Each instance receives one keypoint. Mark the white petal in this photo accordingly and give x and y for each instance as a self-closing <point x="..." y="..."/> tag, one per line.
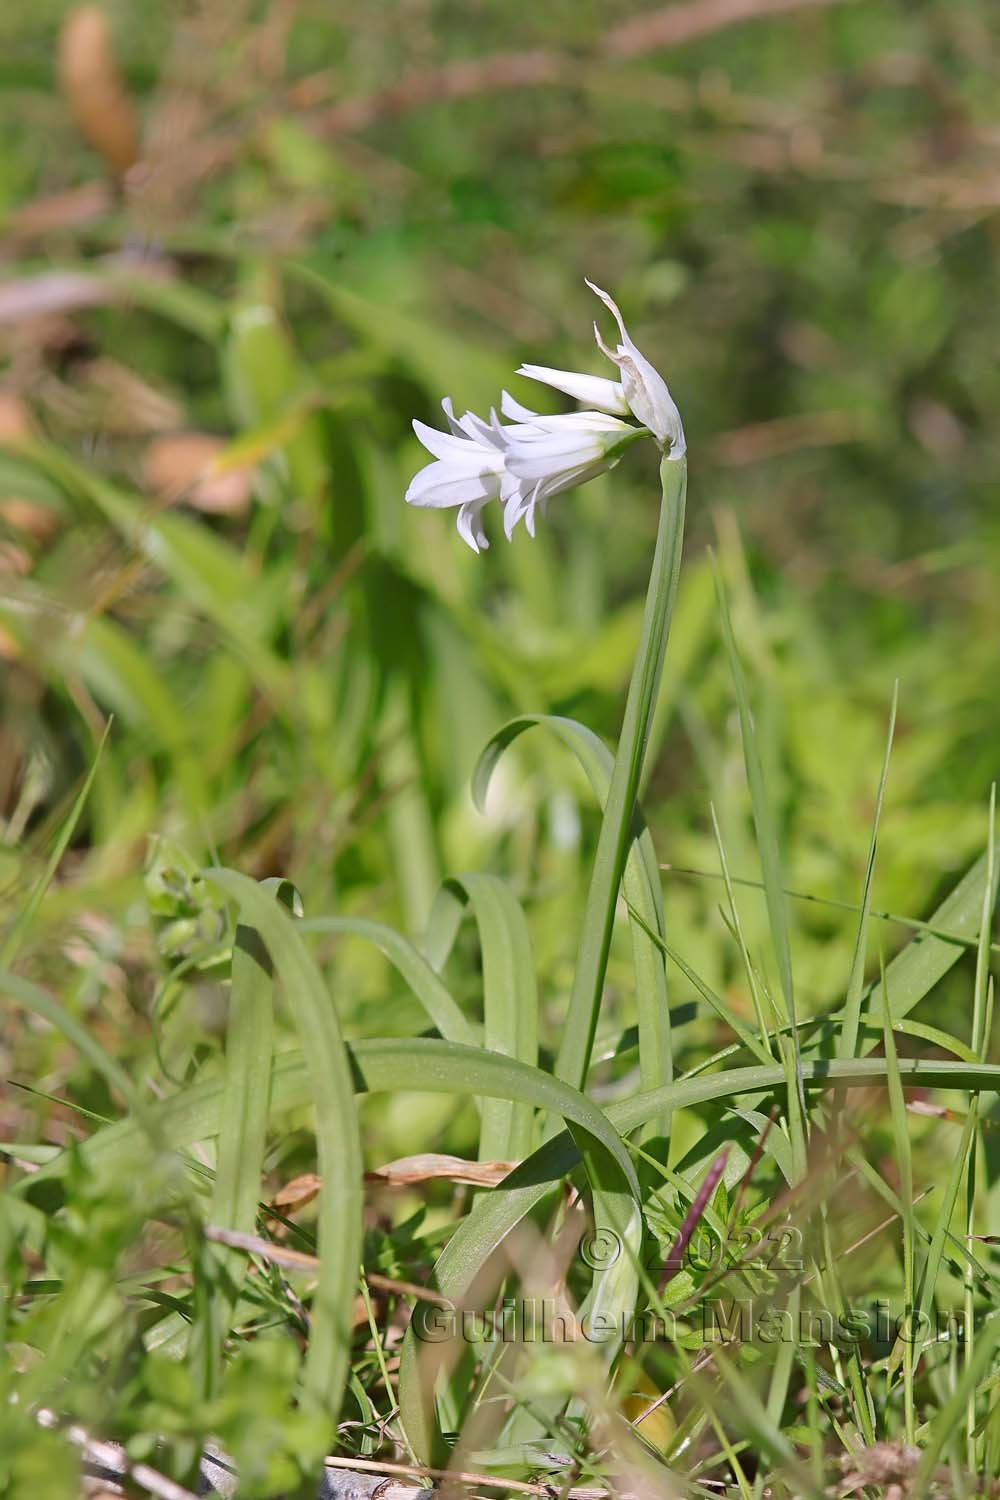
<point x="539" y="505"/>
<point x="470" y="527"/>
<point x="592" y="390"/>
<point x="540" y="461"/>
<point x="452" y="420"/>
<point x="645" y="388"/>
<point x="444" y="445"/>
<point x="612" y="306"/>
<point x="599" y="422"/>
<point x="443" y="484"/>
<point x="513" y="511"/>
<point x="514" y="409"/>
<point x="486" y="434"/>
<point x="555" y="446"/>
<point x="520" y="503"/>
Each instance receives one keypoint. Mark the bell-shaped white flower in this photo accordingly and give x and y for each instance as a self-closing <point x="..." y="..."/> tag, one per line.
<point x="468" y="471"/>
<point x="531" y="458"/>
<point x="546" y="455"/>
<point x="645" y="389"/>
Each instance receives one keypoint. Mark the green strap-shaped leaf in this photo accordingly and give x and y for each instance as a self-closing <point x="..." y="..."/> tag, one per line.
<point x="927" y="958"/>
<point x="246" y="1104"/>
<point x="338" y="1141"/>
<point x="426" y="985"/>
<point x="510" y="1004"/>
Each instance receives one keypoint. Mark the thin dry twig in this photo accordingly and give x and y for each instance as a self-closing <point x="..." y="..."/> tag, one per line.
<point x="882" y="1224"/>
<point x="686" y="23"/>
<point x="112" y="1459"/>
<point x="463" y="1476"/>
<point x="300" y="1260"/>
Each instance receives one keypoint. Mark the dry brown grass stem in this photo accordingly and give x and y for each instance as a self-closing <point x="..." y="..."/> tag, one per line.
<point x="501" y="71"/>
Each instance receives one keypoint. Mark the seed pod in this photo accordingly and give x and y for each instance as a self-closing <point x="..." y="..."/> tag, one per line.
<point x="94" y="90"/>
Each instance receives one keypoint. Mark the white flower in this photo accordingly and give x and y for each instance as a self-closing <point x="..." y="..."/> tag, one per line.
<point x="644" y="388"/>
<point x="468" y="471"/>
<point x="546" y="455"/>
<point x="526" y="462"/>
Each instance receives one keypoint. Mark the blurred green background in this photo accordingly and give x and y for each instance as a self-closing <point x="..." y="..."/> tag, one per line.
<point x="245" y="245"/>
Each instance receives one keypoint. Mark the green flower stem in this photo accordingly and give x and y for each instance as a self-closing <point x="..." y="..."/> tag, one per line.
<point x="573" y="1061"/>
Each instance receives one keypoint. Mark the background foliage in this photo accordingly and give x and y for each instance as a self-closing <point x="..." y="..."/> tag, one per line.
<point x="244" y="246"/>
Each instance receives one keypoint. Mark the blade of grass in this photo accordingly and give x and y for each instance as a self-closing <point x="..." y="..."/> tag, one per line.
<point x="956" y="925"/>
<point x="914" y="924"/>
<point x="980" y="1042"/>
<point x="427" y="986"/>
<point x="985" y="891"/>
<point x="948" y="1421"/>
<point x="32" y="997"/>
<point x="770" y="858"/>
<point x="904" y="1161"/>
<point x="728" y="1016"/>
<point x="737" y="925"/>
<point x="852" y="1005"/>
<point x="387" y="1063"/>
<point x="16" y="933"/>
<point x="763" y="1428"/>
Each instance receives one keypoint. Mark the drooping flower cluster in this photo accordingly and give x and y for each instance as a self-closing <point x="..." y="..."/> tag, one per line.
<point x="525" y="461"/>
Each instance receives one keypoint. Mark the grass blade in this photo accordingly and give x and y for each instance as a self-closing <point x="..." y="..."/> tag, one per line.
<point x="16" y="933"/>
<point x="426" y="985"/>
<point x="948" y="1422"/>
<point x="35" y="999"/>
<point x="852" y="1005"/>
<point x="770" y="858"/>
<point x="925" y="960"/>
<point x="904" y="1160"/>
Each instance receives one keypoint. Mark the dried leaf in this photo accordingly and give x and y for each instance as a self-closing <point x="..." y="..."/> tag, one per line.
<point x="296" y="1194"/>
<point x="409" y="1170"/>
<point x="93" y="87"/>
<point x="15" y="420"/>
<point x="182" y="467"/>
